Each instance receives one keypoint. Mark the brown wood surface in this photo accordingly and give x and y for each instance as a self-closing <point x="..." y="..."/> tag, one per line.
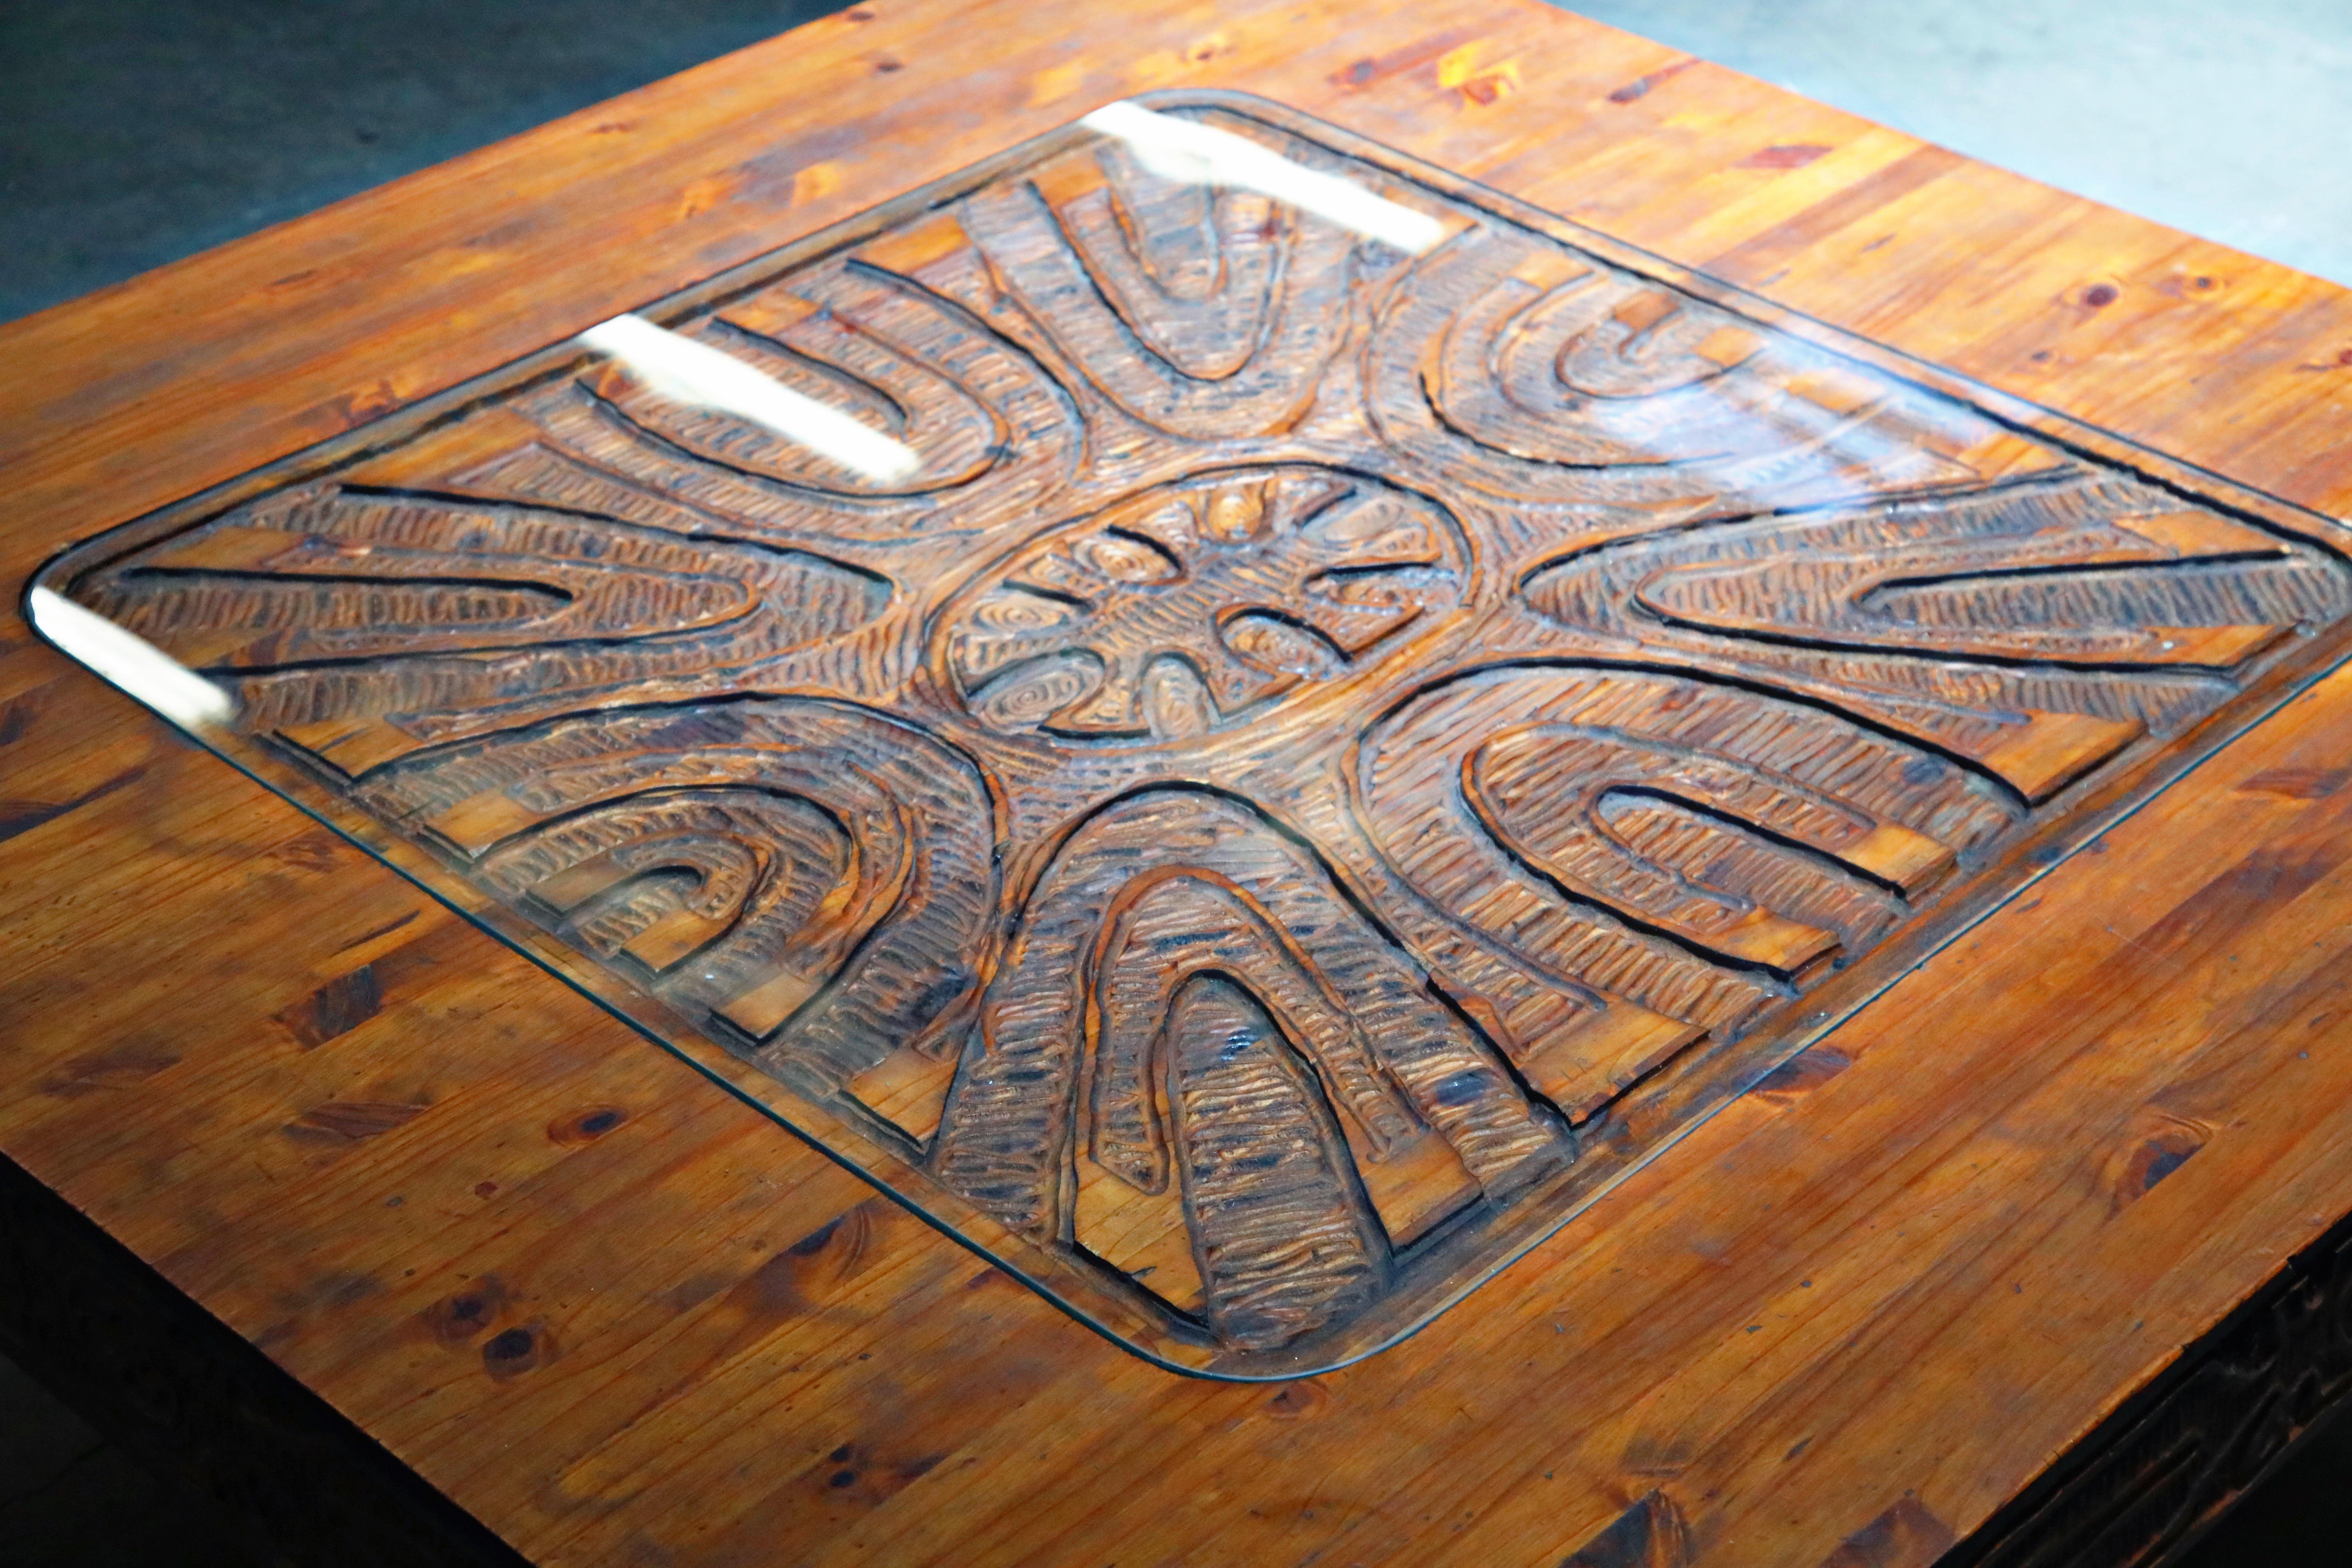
<point x="1330" y="757"/>
<point x="619" y="1315"/>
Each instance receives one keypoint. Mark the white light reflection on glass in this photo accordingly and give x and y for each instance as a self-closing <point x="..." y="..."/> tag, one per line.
<point x="1178" y="149"/>
<point x="682" y="370"/>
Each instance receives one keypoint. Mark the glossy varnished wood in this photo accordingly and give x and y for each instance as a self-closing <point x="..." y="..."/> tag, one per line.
<point x="1330" y="757"/>
<point x="614" y="1311"/>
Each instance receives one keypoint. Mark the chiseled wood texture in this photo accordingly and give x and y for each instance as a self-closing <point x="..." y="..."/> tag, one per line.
<point x="620" y="1316"/>
<point x="1332" y="757"/>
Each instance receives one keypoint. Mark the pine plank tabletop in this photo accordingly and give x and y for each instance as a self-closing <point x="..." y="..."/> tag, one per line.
<point x="1858" y="1110"/>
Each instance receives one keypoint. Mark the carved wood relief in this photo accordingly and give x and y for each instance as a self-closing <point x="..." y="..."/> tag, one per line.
<point x="1333" y="755"/>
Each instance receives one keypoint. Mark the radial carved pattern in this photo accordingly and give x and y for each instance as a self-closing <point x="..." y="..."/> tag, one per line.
<point x="1180" y="610"/>
<point x="1332" y="754"/>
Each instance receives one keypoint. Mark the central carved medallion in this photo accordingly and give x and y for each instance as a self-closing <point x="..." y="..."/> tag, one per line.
<point x="1193" y="606"/>
<point x="1333" y="757"/>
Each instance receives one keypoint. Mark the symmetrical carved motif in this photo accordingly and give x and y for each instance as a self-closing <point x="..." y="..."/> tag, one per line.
<point x="1184" y="609"/>
<point x="1319" y="726"/>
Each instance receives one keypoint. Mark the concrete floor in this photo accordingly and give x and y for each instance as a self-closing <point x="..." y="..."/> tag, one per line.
<point x="139" y="131"/>
<point x="2232" y="122"/>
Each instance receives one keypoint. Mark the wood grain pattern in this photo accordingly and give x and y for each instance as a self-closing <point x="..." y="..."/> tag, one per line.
<point x="617" y="1313"/>
<point x="1442" y="692"/>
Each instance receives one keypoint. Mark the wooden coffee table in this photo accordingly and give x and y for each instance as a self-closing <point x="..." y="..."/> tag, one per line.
<point x="1654" y="882"/>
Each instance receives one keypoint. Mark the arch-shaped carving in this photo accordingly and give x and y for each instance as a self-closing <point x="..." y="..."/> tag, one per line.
<point x="1215" y="322"/>
<point x="1685" y="843"/>
<point x="994" y="434"/>
<point x="1534" y="374"/>
<point x="365" y="618"/>
<point x="870" y="344"/>
<point x="842" y="861"/>
<point x="1145" y="898"/>
<point x="1281" y="1238"/>
<point x="2036" y="630"/>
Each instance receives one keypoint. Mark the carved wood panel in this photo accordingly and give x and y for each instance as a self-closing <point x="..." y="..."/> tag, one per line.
<point x="1334" y="756"/>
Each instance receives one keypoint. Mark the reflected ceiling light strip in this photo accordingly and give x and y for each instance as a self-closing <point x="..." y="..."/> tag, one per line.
<point x="131" y="662"/>
<point x="1185" y="150"/>
<point x="682" y="370"/>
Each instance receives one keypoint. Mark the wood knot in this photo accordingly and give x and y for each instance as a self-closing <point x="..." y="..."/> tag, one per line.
<point x="511" y="1353"/>
<point x="2150" y="1156"/>
<point x="585" y="1126"/>
<point x="1298" y="1401"/>
<point x="460" y="1318"/>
